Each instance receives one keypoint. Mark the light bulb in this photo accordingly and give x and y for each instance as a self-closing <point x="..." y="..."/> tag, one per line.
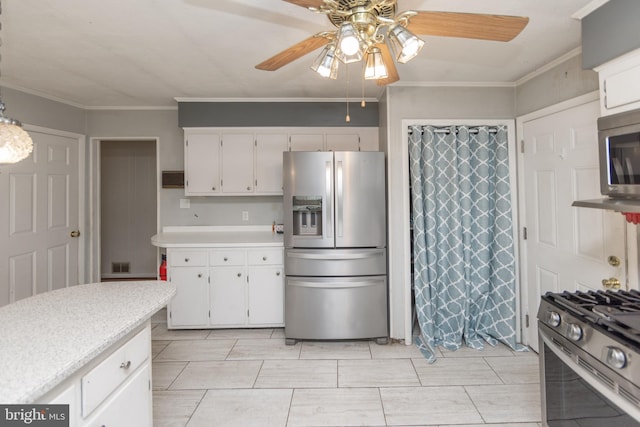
<point x="349" y="45"/>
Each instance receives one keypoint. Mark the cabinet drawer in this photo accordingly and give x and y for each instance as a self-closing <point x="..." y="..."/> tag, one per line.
<point x="102" y="380"/>
<point x="225" y="258"/>
<point x="186" y="258"/>
<point x="264" y="257"/>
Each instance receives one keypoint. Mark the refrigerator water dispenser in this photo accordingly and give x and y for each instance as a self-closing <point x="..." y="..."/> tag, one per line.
<point x="307" y="216"/>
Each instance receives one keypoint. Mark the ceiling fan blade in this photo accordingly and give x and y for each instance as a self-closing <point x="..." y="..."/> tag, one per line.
<point x="296" y="51"/>
<point x="467" y="25"/>
<point x="306" y="3"/>
<point x="392" y="71"/>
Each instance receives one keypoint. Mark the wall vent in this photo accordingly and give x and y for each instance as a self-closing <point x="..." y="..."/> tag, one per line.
<point x="120" y="267"/>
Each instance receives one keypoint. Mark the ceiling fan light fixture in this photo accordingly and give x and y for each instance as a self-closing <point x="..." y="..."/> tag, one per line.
<point x="374" y="66"/>
<point x="326" y="63"/>
<point x="15" y="142"/>
<point x="349" y="44"/>
<point x="405" y="44"/>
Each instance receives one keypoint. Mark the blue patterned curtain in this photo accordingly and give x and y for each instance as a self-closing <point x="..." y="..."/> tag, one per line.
<point x="464" y="263"/>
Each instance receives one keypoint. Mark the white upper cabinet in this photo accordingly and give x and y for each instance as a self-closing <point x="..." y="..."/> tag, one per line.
<point x="248" y="161"/>
<point x="307" y="142"/>
<point x="237" y="163"/>
<point x="202" y="170"/>
<point x="343" y="142"/>
<point x="620" y="84"/>
<point x="268" y="161"/>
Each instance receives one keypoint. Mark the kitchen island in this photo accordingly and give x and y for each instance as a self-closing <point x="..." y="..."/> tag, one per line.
<point x="60" y="346"/>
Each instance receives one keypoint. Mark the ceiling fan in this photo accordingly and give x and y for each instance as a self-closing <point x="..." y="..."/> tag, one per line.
<point x="370" y="30"/>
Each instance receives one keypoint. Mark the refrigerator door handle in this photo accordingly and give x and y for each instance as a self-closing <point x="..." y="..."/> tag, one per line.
<point x="333" y="284"/>
<point x="329" y="196"/>
<point x="339" y="200"/>
<point x="336" y="257"/>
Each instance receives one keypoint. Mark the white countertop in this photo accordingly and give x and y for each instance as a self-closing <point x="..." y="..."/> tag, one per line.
<point x="46" y="338"/>
<point x="216" y="236"/>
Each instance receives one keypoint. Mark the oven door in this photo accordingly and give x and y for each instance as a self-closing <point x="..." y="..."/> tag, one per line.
<point x="578" y="390"/>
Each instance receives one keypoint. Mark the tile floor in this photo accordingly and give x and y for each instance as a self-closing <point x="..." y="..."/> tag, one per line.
<point x="249" y="377"/>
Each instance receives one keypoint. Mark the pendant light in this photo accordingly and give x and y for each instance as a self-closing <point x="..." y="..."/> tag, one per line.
<point x="15" y="143"/>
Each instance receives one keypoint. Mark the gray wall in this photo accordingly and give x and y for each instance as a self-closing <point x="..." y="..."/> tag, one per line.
<point x="562" y="82"/>
<point x="610" y="31"/>
<point x="282" y="114"/>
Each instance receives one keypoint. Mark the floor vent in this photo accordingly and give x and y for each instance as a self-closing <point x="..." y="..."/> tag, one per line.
<point x="120" y="267"/>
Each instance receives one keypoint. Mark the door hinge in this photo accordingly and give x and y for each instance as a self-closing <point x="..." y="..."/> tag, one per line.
<point x="255" y="143"/>
<point x="170" y="316"/>
<point x="522" y="146"/>
<point x="209" y="313"/>
<point x="186" y="142"/>
<point x="247" y="313"/>
<point x="149" y="384"/>
<point x="526" y="320"/>
<point x="187" y="183"/>
<point x="524" y="233"/>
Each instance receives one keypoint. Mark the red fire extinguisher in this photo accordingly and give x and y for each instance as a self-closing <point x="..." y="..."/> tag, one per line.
<point x="163" y="267"/>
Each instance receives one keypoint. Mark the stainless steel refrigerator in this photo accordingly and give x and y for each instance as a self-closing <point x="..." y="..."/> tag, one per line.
<point x="335" y="245"/>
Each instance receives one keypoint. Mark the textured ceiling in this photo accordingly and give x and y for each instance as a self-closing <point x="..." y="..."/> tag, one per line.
<point x="148" y="52"/>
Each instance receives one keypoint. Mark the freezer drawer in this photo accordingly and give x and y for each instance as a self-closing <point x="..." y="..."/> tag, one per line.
<point x="335" y="262"/>
<point x="336" y="308"/>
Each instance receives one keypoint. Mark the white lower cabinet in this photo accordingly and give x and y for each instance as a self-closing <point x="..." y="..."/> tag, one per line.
<point x="266" y="296"/>
<point x="128" y="405"/>
<point x="242" y="287"/>
<point x="190" y="306"/>
<point x="228" y="296"/>
<point x="114" y="389"/>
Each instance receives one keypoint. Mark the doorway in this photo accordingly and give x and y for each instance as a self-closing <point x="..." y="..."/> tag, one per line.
<point x="128" y="209"/>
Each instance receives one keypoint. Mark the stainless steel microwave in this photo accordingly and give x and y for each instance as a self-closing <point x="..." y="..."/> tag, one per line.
<point x="619" y="154"/>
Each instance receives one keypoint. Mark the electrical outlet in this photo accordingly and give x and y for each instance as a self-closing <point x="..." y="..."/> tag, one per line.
<point x="245" y="215"/>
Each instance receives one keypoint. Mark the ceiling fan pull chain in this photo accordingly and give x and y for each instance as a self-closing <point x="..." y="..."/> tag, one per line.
<point x="348" y="118"/>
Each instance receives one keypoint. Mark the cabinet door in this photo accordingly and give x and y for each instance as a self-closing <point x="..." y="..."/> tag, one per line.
<point x="309" y="142"/>
<point x="266" y="296"/>
<point x="190" y="306"/>
<point x="228" y="296"/>
<point x="237" y="163"/>
<point x="201" y="164"/>
<point x="130" y="405"/>
<point x="345" y="142"/>
<point x="269" y="148"/>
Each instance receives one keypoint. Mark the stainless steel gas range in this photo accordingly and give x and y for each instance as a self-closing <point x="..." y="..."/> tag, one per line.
<point x="590" y="358"/>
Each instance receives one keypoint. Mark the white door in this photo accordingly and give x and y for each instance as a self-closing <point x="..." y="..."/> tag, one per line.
<point x="566" y="248"/>
<point x="40" y="212"/>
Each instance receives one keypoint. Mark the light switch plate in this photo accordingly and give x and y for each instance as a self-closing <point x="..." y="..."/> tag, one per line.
<point x="185" y="203"/>
<point x="245" y="215"/>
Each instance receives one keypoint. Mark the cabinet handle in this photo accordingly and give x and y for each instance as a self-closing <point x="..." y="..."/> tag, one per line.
<point x="127" y="365"/>
<point x="186" y="260"/>
<point x="264" y="258"/>
<point x="226" y="259"/>
<point x="213" y="188"/>
<point x="248" y="188"/>
<point x="277" y="273"/>
<point x="239" y="274"/>
<point x="199" y="275"/>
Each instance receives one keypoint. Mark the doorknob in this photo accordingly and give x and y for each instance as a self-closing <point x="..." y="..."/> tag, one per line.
<point x="613" y="261"/>
<point x="611" y="283"/>
<point x="75" y="233"/>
